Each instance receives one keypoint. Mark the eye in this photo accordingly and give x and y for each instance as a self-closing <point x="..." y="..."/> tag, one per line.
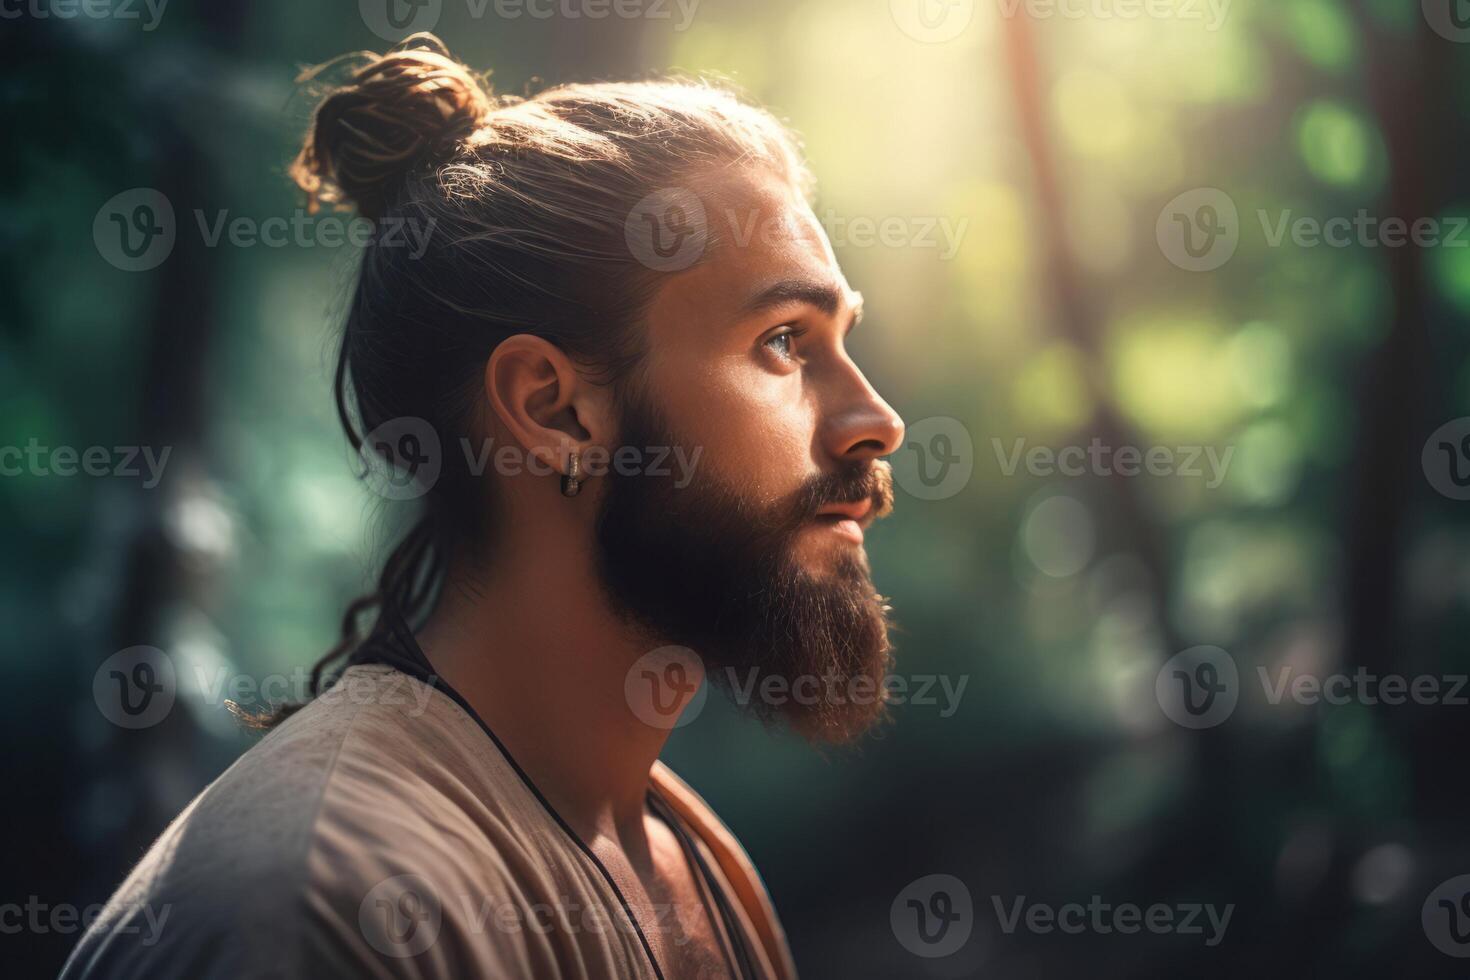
<point x="781" y="342"/>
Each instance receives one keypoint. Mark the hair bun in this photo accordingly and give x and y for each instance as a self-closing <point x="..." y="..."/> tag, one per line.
<point x="399" y="112"/>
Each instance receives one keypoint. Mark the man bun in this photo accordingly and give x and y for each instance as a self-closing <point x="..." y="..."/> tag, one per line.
<point x="397" y="113"/>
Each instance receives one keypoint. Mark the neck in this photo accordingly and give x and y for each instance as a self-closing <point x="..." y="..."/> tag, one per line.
<point x="532" y="644"/>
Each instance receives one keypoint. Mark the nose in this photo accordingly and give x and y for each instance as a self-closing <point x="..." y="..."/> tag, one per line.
<point x="861" y="426"/>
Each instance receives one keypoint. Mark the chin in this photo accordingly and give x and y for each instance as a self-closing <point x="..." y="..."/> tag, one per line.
<point x="826" y="550"/>
<point x="838" y="725"/>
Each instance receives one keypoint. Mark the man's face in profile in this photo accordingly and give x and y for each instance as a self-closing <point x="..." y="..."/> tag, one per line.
<point x="758" y="563"/>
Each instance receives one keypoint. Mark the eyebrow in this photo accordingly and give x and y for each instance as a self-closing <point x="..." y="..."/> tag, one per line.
<point x="825" y="296"/>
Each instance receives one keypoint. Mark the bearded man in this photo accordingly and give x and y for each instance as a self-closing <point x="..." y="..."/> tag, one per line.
<point x="604" y="278"/>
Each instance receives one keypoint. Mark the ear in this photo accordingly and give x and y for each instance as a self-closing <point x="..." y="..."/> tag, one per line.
<point x="543" y="400"/>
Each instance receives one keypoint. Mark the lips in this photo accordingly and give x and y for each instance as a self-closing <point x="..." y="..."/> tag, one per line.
<point x="853" y="500"/>
<point x="847" y="519"/>
<point x="860" y="511"/>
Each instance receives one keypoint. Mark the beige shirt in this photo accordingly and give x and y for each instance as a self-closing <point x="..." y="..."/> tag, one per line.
<point x="383" y="832"/>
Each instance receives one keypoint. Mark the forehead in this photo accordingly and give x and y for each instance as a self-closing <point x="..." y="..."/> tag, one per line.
<point x="760" y="232"/>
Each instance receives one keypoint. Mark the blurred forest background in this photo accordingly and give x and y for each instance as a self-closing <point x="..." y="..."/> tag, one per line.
<point x="1053" y="141"/>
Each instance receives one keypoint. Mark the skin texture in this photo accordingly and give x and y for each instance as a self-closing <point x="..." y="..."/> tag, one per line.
<point x="769" y="414"/>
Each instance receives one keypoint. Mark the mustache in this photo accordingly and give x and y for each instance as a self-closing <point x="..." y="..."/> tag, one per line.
<point x="872" y="481"/>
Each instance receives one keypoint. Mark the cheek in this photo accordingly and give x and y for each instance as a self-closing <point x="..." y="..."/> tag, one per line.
<point x="755" y="427"/>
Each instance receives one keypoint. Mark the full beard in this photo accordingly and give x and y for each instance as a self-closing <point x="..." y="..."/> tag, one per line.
<point x="709" y="568"/>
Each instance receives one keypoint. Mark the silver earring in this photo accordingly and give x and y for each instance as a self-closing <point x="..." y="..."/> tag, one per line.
<point x="571" y="483"/>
